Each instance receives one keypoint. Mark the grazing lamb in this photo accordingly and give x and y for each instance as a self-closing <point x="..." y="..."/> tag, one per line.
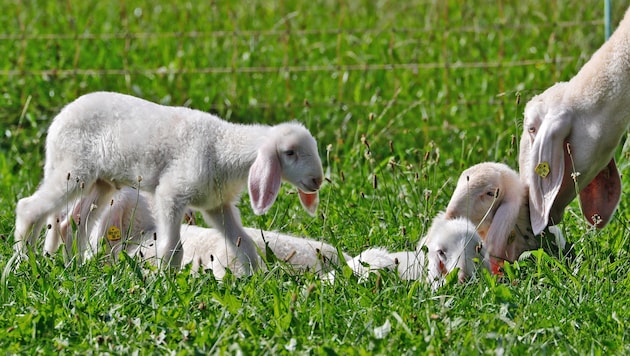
<point x="184" y="157"/>
<point x="450" y="243"/>
<point x="492" y="196"/>
<point x="128" y="224"/>
<point x="570" y="134"/>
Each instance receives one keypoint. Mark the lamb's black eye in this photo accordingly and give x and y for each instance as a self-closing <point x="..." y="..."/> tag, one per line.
<point x="493" y="193"/>
<point x="289" y="152"/>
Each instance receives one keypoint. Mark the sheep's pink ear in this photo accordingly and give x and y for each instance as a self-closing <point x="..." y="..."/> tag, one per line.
<point x="264" y="180"/>
<point x="501" y="227"/>
<point x="601" y="196"/>
<point x="309" y="201"/>
<point x="547" y="169"/>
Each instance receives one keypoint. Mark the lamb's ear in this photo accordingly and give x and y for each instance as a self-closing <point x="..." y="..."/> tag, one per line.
<point x="264" y="180"/>
<point x="309" y="201"/>
<point x="500" y="230"/>
<point x="547" y="168"/>
<point x="601" y="196"/>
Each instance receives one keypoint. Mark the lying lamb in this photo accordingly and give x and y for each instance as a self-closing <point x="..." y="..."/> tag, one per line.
<point x="206" y="249"/>
<point x="184" y="157"/>
<point x="570" y="135"/>
<point x="128" y="224"/>
<point x="449" y="244"/>
<point x="492" y="196"/>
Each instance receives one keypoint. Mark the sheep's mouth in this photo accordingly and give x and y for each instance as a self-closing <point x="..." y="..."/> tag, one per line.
<point x="308" y="191"/>
<point x="309" y="188"/>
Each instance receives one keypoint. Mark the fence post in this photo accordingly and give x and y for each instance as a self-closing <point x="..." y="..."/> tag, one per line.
<point x="607" y="18"/>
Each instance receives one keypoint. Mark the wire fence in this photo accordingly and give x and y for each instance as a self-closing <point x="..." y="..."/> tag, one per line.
<point x="299" y="32"/>
<point x="66" y="52"/>
<point x="285" y="69"/>
<point x="25" y="38"/>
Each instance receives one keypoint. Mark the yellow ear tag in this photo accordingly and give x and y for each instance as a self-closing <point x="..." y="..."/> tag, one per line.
<point x="113" y="233"/>
<point x="542" y="169"/>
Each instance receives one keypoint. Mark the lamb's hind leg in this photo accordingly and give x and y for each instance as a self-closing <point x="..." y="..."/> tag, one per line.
<point x="57" y="230"/>
<point x="91" y="208"/>
<point x="32" y="211"/>
<point x="60" y="228"/>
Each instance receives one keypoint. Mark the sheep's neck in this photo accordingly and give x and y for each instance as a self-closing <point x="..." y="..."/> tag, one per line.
<point x="237" y="150"/>
<point x="607" y="73"/>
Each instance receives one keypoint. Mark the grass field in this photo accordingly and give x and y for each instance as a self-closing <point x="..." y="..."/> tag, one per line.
<point x="401" y="96"/>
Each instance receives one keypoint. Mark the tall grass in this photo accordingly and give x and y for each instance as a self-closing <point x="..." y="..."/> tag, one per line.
<point x="402" y="96"/>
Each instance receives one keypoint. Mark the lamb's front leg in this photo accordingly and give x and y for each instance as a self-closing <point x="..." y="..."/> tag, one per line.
<point x="169" y="213"/>
<point x="227" y="219"/>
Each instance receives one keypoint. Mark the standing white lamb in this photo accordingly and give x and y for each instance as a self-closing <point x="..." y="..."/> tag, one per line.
<point x="184" y="157"/>
<point x="449" y="244"/>
<point x="570" y="135"/>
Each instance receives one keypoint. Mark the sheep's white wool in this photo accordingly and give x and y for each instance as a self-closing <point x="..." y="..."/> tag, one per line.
<point x="184" y="157"/>
<point x="570" y="135"/>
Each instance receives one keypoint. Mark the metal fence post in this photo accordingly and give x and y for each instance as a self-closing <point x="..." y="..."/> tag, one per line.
<point x="607" y="18"/>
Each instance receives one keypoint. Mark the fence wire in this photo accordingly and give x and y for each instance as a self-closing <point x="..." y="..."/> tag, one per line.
<point x="68" y="49"/>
